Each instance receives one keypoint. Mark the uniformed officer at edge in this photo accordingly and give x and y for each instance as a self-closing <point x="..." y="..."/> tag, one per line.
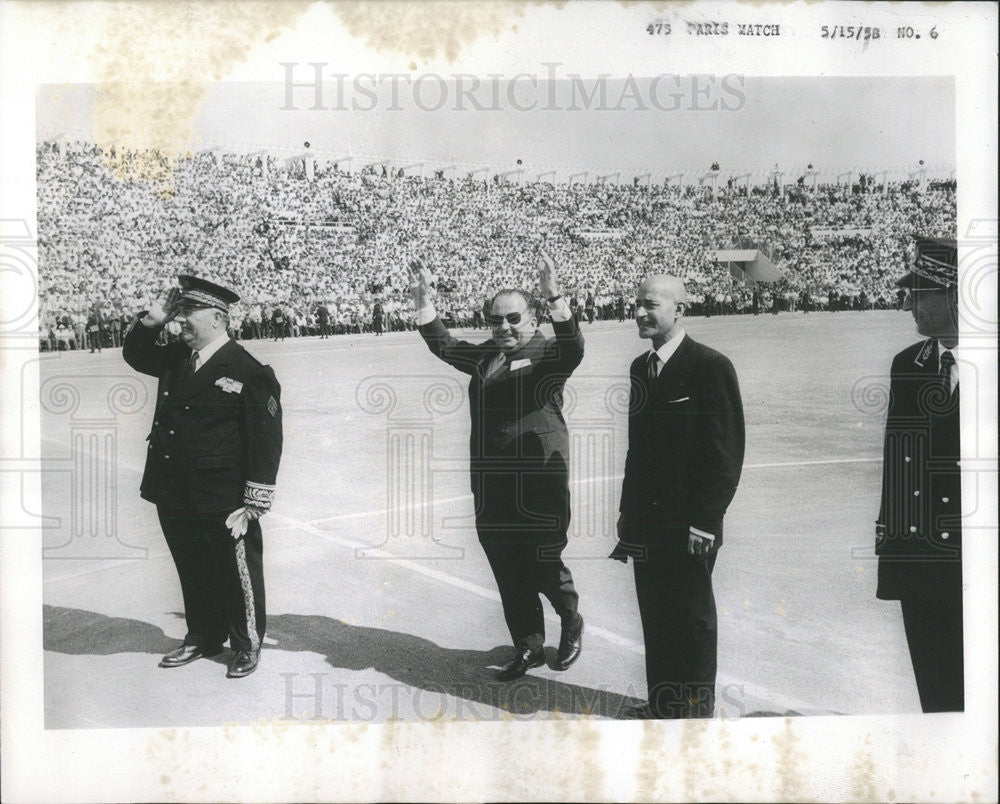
<point x="919" y="532"/>
<point x="211" y="467"/>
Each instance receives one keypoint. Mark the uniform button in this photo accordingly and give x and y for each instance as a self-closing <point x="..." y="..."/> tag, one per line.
<point x="907" y="459"/>
<point x="187" y="407"/>
<point x="945" y="499"/>
<point x="167" y="458"/>
<point x="172" y="432"/>
<point x="166" y="393"/>
<point x="915" y="494"/>
<point x="945" y="535"/>
<point x="913" y="528"/>
<point x="155" y="423"/>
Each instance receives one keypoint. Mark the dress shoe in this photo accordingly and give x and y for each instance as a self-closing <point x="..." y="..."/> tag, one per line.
<point x="570" y="644"/>
<point x="526" y="659"/>
<point x="244" y="663"/>
<point x="186" y="654"/>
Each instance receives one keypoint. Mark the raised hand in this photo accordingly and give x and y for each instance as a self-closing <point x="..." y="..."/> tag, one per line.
<point x="420" y="283"/>
<point x="162" y="312"/>
<point x="548" y="282"/>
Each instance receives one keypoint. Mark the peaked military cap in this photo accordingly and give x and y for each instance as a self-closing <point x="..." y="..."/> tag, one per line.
<point x="206" y="293"/>
<point x="933" y="264"/>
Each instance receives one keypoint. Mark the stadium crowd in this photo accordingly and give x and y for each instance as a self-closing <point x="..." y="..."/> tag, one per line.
<point x="327" y="255"/>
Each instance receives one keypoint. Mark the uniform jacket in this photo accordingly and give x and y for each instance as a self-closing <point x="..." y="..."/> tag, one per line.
<point x="685" y="447"/>
<point x="518" y="427"/>
<point x="216" y="438"/>
<point x="919" y="527"/>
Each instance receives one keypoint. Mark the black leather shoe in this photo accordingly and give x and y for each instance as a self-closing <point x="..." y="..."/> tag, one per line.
<point x="570" y="644"/>
<point x="526" y="659"/>
<point x="244" y="663"/>
<point x="186" y="654"/>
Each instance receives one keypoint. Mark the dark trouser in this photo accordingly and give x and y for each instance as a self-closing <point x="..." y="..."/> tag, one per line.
<point x="523" y="571"/>
<point x="679" y="628"/>
<point x="222" y="579"/>
<point x="934" y="636"/>
<point x="522" y="515"/>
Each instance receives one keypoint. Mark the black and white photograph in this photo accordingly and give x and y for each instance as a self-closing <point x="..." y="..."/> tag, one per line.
<point x="413" y="401"/>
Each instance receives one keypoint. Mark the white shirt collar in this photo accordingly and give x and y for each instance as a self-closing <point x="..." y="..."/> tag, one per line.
<point x="942" y="348"/>
<point x="666" y="351"/>
<point x="210" y="349"/>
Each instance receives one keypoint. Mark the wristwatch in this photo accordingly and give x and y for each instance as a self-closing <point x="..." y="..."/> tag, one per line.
<point x="554" y="299"/>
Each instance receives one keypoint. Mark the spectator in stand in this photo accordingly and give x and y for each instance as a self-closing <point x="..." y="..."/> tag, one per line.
<point x="292" y="240"/>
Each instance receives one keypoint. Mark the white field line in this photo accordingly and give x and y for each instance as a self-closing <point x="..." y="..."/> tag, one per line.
<point x="576" y="482"/>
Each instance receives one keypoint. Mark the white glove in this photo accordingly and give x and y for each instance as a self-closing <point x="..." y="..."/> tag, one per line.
<point x="237" y="522"/>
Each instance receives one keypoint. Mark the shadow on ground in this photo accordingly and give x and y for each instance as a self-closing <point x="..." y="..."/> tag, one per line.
<point x="415" y="663"/>
<point x="420" y="664"/>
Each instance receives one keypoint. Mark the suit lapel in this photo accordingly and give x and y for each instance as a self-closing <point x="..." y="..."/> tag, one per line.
<point x="214" y="368"/>
<point x="927" y="357"/>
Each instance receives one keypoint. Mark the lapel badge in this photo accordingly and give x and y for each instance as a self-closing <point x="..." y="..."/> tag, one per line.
<point x="230" y="386"/>
<point x="925" y="353"/>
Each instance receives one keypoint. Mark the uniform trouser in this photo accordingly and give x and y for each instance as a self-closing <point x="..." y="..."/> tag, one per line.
<point x="523" y="571"/>
<point x="222" y="579"/>
<point x="934" y="636"/>
<point x="679" y="628"/>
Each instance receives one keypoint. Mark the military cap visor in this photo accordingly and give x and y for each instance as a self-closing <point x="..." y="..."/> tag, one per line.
<point x="933" y="265"/>
<point x="198" y="292"/>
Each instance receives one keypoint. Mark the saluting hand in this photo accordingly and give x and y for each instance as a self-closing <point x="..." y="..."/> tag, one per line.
<point x="548" y="283"/>
<point x="420" y="287"/>
<point x="161" y="313"/>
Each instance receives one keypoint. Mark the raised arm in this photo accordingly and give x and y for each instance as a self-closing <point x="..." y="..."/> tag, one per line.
<point x="139" y="348"/>
<point x="460" y="354"/>
<point x="568" y="350"/>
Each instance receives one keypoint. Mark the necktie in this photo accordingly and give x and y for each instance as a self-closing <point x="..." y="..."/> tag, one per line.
<point x="654" y="361"/>
<point x="947" y="361"/>
<point x="495" y="365"/>
<point x="192" y="366"/>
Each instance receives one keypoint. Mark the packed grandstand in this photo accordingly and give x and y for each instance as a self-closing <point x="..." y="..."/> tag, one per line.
<point x="330" y="248"/>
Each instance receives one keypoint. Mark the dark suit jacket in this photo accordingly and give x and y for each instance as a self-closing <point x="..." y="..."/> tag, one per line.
<point x="919" y="528"/>
<point x="519" y="444"/>
<point x="216" y="438"/>
<point x="685" y="447"/>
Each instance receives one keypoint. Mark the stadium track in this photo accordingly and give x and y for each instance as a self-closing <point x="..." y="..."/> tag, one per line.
<point x="369" y="624"/>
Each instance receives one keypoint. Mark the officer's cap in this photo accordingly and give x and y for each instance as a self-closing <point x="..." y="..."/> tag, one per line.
<point x="933" y="265"/>
<point x="206" y="293"/>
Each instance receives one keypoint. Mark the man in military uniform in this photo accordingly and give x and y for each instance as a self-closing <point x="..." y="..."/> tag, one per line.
<point x="211" y="467"/>
<point x="918" y="534"/>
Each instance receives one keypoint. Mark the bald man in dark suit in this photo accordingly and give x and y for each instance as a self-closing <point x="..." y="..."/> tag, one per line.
<point x="685" y="456"/>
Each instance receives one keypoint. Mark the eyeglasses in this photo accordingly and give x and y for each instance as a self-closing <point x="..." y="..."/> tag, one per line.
<point x="497" y="320"/>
